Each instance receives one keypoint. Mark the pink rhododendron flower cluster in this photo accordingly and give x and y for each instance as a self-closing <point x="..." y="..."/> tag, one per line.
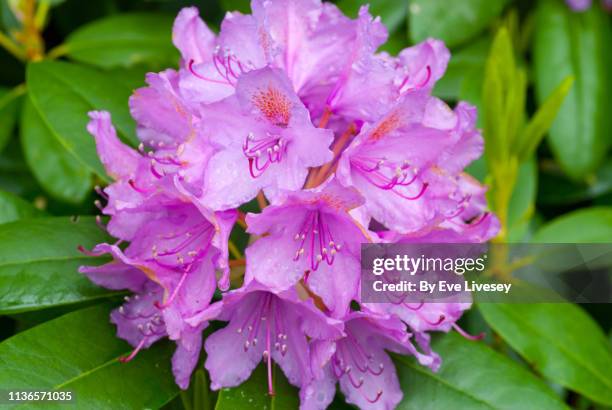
<point x="582" y="5"/>
<point x="294" y="105"/>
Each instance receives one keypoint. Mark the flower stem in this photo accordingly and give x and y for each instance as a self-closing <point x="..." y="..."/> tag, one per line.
<point x="261" y="200"/>
<point x="234" y="250"/>
<point x="12" y="47"/>
<point x="57" y="52"/>
<point x="241" y="221"/>
<point x="40" y="18"/>
<point x="325" y="117"/>
<point x="316" y="178"/>
<point x="16" y="92"/>
<point x="237" y="262"/>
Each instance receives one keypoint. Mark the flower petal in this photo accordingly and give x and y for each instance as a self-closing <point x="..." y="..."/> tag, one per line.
<point x="192" y="37"/>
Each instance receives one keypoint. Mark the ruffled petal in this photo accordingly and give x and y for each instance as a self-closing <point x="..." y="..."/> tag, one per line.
<point x="115" y="275"/>
<point x="186" y="356"/>
<point x="192" y="37"/>
<point x="119" y="160"/>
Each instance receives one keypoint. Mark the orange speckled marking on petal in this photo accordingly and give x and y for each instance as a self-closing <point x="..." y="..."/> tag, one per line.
<point x="333" y="202"/>
<point x="389" y="124"/>
<point x="274" y="105"/>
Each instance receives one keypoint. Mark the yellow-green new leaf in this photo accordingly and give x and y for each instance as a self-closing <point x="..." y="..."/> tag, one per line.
<point x="542" y="120"/>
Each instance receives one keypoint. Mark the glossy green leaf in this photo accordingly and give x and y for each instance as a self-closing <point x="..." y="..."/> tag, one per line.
<point x="13" y="208"/>
<point x="15" y="177"/>
<point x="124" y="40"/>
<point x="253" y="393"/>
<point x="589" y="225"/>
<point x="55" y="168"/>
<point x="472" y="376"/>
<point x="80" y="352"/>
<point x="39" y="261"/>
<point x="560" y="341"/>
<point x="391" y="12"/>
<point x="575" y="44"/>
<point x="9" y="104"/>
<point x="556" y="189"/>
<point x="64" y="93"/>
<point x="543" y="118"/>
<point x="455" y="23"/>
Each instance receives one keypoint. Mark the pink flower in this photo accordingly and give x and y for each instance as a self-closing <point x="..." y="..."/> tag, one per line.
<point x="275" y="327"/>
<point x="583" y="5"/>
<point x="360" y="363"/>
<point x="172" y="255"/>
<point x="265" y="138"/>
<point x="398" y="183"/>
<point x="293" y="105"/>
<point x="579" y="5"/>
<point x="309" y="237"/>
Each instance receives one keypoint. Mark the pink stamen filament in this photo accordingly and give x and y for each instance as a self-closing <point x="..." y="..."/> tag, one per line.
<point x="266" y="309"/>
<point x="350" y="351"/>
<point x="175" y="292"/>
<point x="420" y="85"/>
<point x="154" y="171"/>
<point x="374" y="173"/>
<point x="208" y="229"/>
<point x="201" y="77"/>
<point x="99" y="223"/>
<point x="466" y="334"/>
<point x="436" y="323"/>
<point x="421" y="303"/>
<point x="271" y="148"/>
<point x="101" y="192"/>
<point x="202" y="232"/>
<point x="126" y="359"/>
<point x="88" y="252"/>
<point x="137" y="189"/>
<point x="314" y="225"/>
<point x="375" y="399"/>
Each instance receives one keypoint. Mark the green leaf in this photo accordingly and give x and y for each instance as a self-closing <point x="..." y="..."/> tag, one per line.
<point x="522" y="201"/>
<point x="464" y="61"/>
<point x="589" y="225"/>
<point x="55" y="168"/>
<point x="472" y="376"/>
<point x="499" y="101"/>
<point x="243" y="6"/>
<point x="39" y="261"/>
<point x="395" y="43"/>
<point x="575" y="44"/>
<point x="560" y="341"/>
<point x="9" y="104"/>
<point x="79" y="352"/>
<point x="542" y="120"/>
<point x="391" y="12"/>
<point x="124" y="40"/>
<point x="454" y="25"/>
<point x="15" y="177"/>
<point x="253" y="393"/>
<point x="13" y="208"/>
<point x="556" y="189"/>
<point x="9" y="21"/>
<point x="64" y="93"/>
